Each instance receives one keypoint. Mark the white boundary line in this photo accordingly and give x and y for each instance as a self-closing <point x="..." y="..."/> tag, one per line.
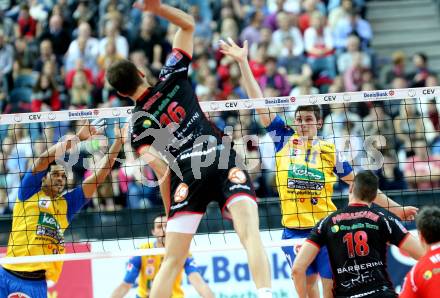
<point x="229" y="105"/>
<point x="134" y="252"/>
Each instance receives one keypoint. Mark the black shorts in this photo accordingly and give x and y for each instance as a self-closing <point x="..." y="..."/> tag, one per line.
<point x="221" y="181"/>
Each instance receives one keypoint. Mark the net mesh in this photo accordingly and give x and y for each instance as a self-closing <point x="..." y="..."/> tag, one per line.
<point x="393" y="132"/>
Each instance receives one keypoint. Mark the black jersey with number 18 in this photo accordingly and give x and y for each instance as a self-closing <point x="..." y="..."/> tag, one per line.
<point x="357" y="238"/>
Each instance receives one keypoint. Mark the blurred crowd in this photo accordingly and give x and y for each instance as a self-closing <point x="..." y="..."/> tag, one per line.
<point x="53" y="56"/>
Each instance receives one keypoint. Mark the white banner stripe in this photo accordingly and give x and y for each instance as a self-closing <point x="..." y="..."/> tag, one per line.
<point x="230" y="105"/>
<point x="134" y="252"/>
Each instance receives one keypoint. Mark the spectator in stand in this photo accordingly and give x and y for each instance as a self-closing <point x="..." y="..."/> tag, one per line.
<point x="336" y="122"/>
<point x="354" y="75"/>
<point x="58" y="35"/>
<point x="318" y="42"/>
<point x="79" y="67"/>
<point x="426" y="101"/>
<point x="271" y="20"/>
<point x="81" y="92"/>
<point x="346" y="60"/>
<point x="339" y="13"/>
<point x="203" y="27"/>
<point x="85" y="12"/>
<point x="422" y="171"/>
<point x="7" y="26"/>
<point x="286" y="30"/>
<point x="45" y="95"/>
<point x="379" y="123"/>
<point x="352" y="25"/>
<point x="46" y="54"/>
<point x="26" y="25"/>
<point x="151" y="40"/>
<point x="288" y="61"/>
<point x="87" y="59"/>
<point x="84" y="46"/>
<point x="272" y="78"/>
<point x="390" y="176"/>
<point x="110" y="55"/>
<point x="409" y="126"/>
<point x="6" y="63"/>
<point x="421" y="70"/>
<point x="112" y="33"/>
<point x="251" y="33"/>
<point x="309" y="7"/>
<point x="398" y="68"/>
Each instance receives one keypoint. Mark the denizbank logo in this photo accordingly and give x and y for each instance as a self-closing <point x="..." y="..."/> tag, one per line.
<point x="276" y="101"/>
<point x="47" y="220"/>
<point x="80" y="114"/>
<point x="304" y="173"/>
<point x="379" y="94"/>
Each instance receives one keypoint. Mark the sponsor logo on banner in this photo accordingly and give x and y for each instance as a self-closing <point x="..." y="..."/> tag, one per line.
<point x="330" y="98"/>
<point x="428" y="91"/>
<point x="181" y="192"/>
<point x="34" y="116"/>
<point x="231" y="104"/>
<point x="80" y="114"/>
<point x="276" y="101"/>
<point x="236" y="176"/>
<point x="379" y="94"/>
<point x="346" y="97"/>
<point x="214" y="106"/>
<point x="313" y="99"/>
<point x="411" y="92"/>
<point x="292" y="99"/>
<point x="248" y="104"/>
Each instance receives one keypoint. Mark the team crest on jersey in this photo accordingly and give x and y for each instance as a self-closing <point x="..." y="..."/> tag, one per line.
<point x="44" y="203"/>
<point x="296" y="141"/>
<point x="427" y="275"/>
<point x="181" y="192"/>
<point x="149" y="270"/>
<point x="18" y="295"/>
<point x="237" y="176"/>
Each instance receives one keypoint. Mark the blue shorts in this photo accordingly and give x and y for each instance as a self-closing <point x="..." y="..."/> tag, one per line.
<point x="320" y="265"/>
<point x="10" y="284"/>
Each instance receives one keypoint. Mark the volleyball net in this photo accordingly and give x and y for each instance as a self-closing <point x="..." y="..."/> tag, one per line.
<point x="392" y="132"/>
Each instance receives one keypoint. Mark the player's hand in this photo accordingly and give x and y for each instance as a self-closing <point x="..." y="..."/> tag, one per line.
<point x="147" y="5"/>
<point x="232" y="50"/>
<point x="87" y="130"/>
<point x="407" y="213"/>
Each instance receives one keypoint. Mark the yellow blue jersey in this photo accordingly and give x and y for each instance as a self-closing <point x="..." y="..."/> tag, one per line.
<point x="306" y="172"/>
<point x="39" y="222"/>
<point x="146" y="267"/>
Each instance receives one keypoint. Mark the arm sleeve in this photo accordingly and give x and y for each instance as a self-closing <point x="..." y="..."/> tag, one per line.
<point x="394" y="230"/>
<point x="132" y="269"/>
<point x="75" y="200"/>
<point x="176" y="65"/>
<point x="317" y="235"/>
<point x="190" y="266"/>
<point x="30" y="185"/>
<point x="342" y="167"/>
<point x="279" y="132"/>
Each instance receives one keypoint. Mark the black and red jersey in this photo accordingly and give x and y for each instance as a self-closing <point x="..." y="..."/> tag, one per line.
<point x="168" y="116"/>
<point x="357" y="238"/>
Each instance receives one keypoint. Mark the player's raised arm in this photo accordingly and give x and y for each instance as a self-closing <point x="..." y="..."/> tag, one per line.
<point x="251" y="86"/>
<point x="184" y="36"/>
<point x="105" y="165"/>
<point x="48" y="156"/>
